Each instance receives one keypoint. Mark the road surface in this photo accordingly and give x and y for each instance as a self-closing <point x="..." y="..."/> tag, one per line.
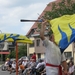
<point x="6" y="73"/>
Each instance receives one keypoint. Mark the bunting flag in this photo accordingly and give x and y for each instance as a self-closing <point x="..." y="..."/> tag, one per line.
<point x="64" y="30"/>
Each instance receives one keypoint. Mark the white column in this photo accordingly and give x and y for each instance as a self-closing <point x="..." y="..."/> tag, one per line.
<point x="27" y="49"/>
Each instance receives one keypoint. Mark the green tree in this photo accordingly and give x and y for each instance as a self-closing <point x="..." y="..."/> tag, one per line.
<point x="12" y="54"/>
<point x="22" y="51"/>
<point x="65" y="7"/>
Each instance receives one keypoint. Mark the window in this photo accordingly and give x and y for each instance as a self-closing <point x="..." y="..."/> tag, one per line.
<point x="11" y="49"/>
<point x="38" y="42"/>
<point x="68" y="54"/>
<point x="32" y="45"/>
<point x="11" y="46"/>
<point x="39" y="55"/>
<point x="1" y="46"/>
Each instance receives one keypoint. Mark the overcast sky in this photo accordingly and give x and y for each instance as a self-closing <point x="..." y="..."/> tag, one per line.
<point x="12" y="11"/>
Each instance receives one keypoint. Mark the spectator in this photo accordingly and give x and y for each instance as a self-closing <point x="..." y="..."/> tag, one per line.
<point x="31" y="65"/>
<point x="71" y="61"/>
<point x="10" y="66"/>
<point x="25" y="61"/>
<point x="41" y="62"/>
<point x="34" y="56"/>
<point x="14" y="65"/>
<point x="21" y="67"/>
<point x="6" y="63"/>
<point x="71" y="68"/>
<point x="40" y="67"/>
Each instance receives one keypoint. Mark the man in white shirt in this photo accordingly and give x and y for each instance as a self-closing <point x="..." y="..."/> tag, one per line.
<point x="25" y="61"/>
<point x="53" y="56"/>
<point x="40" y="63"/>
<point x="14" y="65"/>
<point x="31" y="64"/>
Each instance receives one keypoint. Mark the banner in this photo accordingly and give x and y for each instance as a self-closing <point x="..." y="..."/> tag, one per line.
<point x="64" y="30"/>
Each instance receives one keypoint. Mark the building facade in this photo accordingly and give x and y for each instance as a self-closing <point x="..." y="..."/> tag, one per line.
<point x="39" y="49"/>
<point x="5" y="49"/>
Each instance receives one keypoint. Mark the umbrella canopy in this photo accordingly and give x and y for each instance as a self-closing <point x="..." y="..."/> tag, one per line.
<point x="14" y="38"/>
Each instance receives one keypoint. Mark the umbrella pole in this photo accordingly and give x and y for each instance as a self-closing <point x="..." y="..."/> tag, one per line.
<point x="16" y="58"/>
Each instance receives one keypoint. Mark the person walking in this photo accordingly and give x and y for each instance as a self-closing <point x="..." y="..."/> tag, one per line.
<point x="53" y="56"/>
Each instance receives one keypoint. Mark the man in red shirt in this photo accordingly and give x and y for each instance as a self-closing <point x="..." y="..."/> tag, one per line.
<point x="34" y="56"/>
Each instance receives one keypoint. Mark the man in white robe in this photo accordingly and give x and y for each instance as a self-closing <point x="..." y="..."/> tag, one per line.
<point x="53" y="56"/>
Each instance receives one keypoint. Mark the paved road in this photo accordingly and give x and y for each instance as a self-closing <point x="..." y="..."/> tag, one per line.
<point x="6" y="73"/>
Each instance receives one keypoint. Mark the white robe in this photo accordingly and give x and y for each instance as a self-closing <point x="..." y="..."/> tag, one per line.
<point x="52" y="56"/>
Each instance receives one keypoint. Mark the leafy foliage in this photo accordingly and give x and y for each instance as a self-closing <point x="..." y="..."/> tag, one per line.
<point x="65" y="7"/>
<point x="12" y="54"/>
<point x="22" y="51"/>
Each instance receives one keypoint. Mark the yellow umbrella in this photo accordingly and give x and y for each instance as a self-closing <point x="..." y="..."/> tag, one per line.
<point x="16" y="38"/>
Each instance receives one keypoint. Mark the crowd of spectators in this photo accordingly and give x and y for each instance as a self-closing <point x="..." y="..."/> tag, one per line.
<point x="30" y="67"/>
